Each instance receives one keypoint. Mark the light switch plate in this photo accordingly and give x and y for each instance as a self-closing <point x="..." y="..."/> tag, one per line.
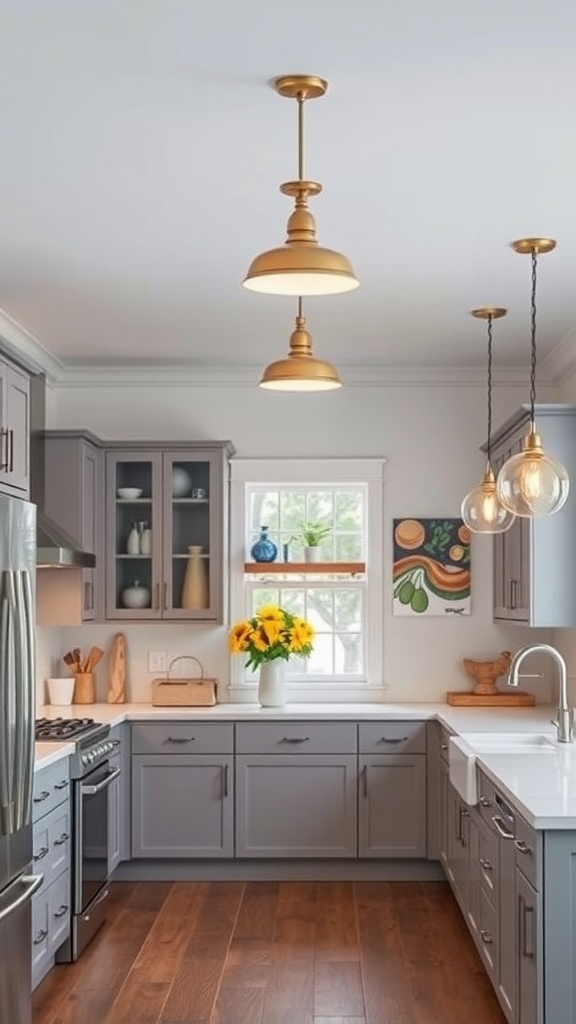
<point x="157" y="661"/>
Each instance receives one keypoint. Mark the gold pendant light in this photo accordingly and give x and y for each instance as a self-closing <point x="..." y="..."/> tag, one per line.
<point x="533" y="483"/>
<point x="481" y="509"/>
<point x="301" y="266"/>
<point x="300" y="371"/>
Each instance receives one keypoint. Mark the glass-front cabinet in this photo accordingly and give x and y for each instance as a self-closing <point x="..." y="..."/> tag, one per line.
<point x="165" y="532"/>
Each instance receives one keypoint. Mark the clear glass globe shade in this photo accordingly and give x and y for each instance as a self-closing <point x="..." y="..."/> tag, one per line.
<point x="533" y="484"/>
<point x="483" y="512"/>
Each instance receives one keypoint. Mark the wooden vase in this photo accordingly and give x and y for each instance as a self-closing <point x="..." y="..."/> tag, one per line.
<point x="195" y="590"/>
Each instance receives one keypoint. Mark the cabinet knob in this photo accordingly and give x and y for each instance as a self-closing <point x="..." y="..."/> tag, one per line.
<point x="486" y="937"/>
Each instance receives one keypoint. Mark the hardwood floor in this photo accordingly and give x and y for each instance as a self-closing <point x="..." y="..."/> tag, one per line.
<point x="274" y="953"/>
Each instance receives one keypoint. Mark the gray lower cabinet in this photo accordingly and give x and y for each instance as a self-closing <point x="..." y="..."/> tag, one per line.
<point x="182" y="803"/>
<point x="52" y="832"/>
<point x="509" y="870"/>
<point x="392" y="798"/>
<point x="119" y="800"/>
<point x="296" y="789"/>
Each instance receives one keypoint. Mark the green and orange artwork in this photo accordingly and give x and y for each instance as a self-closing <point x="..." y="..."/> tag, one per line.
<point x="431" y="567"/>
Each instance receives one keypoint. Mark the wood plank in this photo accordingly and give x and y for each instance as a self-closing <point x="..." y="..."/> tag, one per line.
<point x="304" y="568"/>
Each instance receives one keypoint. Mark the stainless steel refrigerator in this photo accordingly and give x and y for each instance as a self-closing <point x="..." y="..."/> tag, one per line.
<point x="17" y="680"/>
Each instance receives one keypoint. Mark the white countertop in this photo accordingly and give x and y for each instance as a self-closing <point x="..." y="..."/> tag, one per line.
<point x="46" y="754"/>
<point x="543" y="789"/>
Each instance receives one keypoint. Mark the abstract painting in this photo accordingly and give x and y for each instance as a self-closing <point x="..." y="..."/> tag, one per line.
<point x="431" y="567"/>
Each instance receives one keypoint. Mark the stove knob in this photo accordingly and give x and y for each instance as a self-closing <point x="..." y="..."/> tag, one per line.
<point x="84" y="759"/>
<point x="90" y="756"/>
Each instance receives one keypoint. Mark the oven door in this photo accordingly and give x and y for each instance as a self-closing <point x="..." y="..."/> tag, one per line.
<point x="91" y="834"/>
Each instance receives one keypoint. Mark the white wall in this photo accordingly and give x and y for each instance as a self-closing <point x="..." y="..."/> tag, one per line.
<point x="430" y="437"/>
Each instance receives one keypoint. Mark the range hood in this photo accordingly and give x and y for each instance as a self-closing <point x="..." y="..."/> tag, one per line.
<point x="55" y="549"/>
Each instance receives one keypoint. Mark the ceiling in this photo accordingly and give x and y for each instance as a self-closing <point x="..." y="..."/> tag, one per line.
<point x="143" y="147"/>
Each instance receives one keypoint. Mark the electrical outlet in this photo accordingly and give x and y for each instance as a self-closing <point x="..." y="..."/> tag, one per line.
<point x="156" y="661"/>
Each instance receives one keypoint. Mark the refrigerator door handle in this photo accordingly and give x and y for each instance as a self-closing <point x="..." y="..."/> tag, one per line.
<point x="25" y="696"/>
<point x="6" y="664"/>
<point x="31" y="883"/>
<point x="17" y="641"/>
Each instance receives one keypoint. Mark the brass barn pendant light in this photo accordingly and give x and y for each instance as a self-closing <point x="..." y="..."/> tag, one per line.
<point x="300" y="371"/>
<point x="533" y="483"/>
<point x="301" y="266"/>
<point x="481" y="509"/>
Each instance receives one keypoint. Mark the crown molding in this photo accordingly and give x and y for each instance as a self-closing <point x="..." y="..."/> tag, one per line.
<point x="27" y="350"/>
<point x="177" y="375"/>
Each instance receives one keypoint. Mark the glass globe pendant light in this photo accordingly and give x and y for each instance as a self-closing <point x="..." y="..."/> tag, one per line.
<point x="482" y="510"/>
<point x="533" y="483"/>
<point x="300" y="371"/>
<point x="301" y="266"/>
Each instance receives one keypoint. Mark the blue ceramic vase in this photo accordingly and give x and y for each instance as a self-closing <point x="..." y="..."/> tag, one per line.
<point x="264" y="550"/>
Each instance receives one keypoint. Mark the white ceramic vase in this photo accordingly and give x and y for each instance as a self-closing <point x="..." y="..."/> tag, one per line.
<point x="312" y="554"/>
<point x="272" y="684"/>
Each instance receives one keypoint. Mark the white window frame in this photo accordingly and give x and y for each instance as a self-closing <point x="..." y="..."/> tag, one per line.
<point x="313" y="472"/>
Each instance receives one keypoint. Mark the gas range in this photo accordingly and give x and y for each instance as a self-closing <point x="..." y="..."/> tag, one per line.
<point x="89" y="737"/>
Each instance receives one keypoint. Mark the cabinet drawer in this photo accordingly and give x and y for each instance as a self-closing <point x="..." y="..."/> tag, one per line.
<point x="493" y="806"/>
<point x="51" y="787"/>
<point x="528" y="858"/>
<point x="59" y="911"/>
<point x="296" y="738"/>
<point x="488" y="861"/>
<point x="183" y="738"/>
<point x="392" y="737"/>
<point x="51" y="839"/>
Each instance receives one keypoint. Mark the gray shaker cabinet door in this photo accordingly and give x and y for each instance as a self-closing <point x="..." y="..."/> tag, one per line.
<point x="296" y="806"/>
<point x="182" y="805"/>
<point x="14" y="430"/>
<point x="529" y="952"/>
<point x="392" y="805"/>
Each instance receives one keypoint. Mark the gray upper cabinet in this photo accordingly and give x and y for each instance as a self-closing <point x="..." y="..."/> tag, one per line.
<point x="14" y="430"/>
<point x="525" y="588"/>
<point x="166" y="529"/>
<point x="73" y="498"/>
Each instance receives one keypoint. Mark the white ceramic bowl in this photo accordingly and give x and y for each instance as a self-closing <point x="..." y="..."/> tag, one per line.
<point x="129" y="493"/>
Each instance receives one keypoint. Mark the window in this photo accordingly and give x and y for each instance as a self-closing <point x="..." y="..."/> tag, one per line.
<point x="341" y="595"/>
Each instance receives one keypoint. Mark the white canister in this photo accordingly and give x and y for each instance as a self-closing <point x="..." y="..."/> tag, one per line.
<point x="60" y="691"/>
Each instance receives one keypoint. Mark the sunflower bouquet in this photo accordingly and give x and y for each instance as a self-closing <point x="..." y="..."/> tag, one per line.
<point x="271" y="633"/>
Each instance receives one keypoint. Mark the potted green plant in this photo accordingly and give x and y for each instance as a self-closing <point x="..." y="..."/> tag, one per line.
<point x="312" y="534"/>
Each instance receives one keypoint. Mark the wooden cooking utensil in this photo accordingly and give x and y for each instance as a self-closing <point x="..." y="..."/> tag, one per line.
<point x="70" y="660"/>
<point x="95" y="655"/>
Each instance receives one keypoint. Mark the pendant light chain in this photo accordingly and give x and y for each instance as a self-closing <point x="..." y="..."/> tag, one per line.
<point x="533" y="342"/>
<point x="489" y="443"/>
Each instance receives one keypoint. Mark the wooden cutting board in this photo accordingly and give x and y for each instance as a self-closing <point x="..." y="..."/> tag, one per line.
<point x="117" y="671"/>
<point x="460" y="698"/>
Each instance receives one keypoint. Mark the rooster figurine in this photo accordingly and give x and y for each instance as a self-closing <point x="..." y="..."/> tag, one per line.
<point x="485" y="673"/>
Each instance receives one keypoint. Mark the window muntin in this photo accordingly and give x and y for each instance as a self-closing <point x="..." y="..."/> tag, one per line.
<point x="283" y="508"/>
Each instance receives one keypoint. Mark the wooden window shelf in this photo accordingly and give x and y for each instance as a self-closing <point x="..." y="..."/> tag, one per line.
<point x="301" y="568"/>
